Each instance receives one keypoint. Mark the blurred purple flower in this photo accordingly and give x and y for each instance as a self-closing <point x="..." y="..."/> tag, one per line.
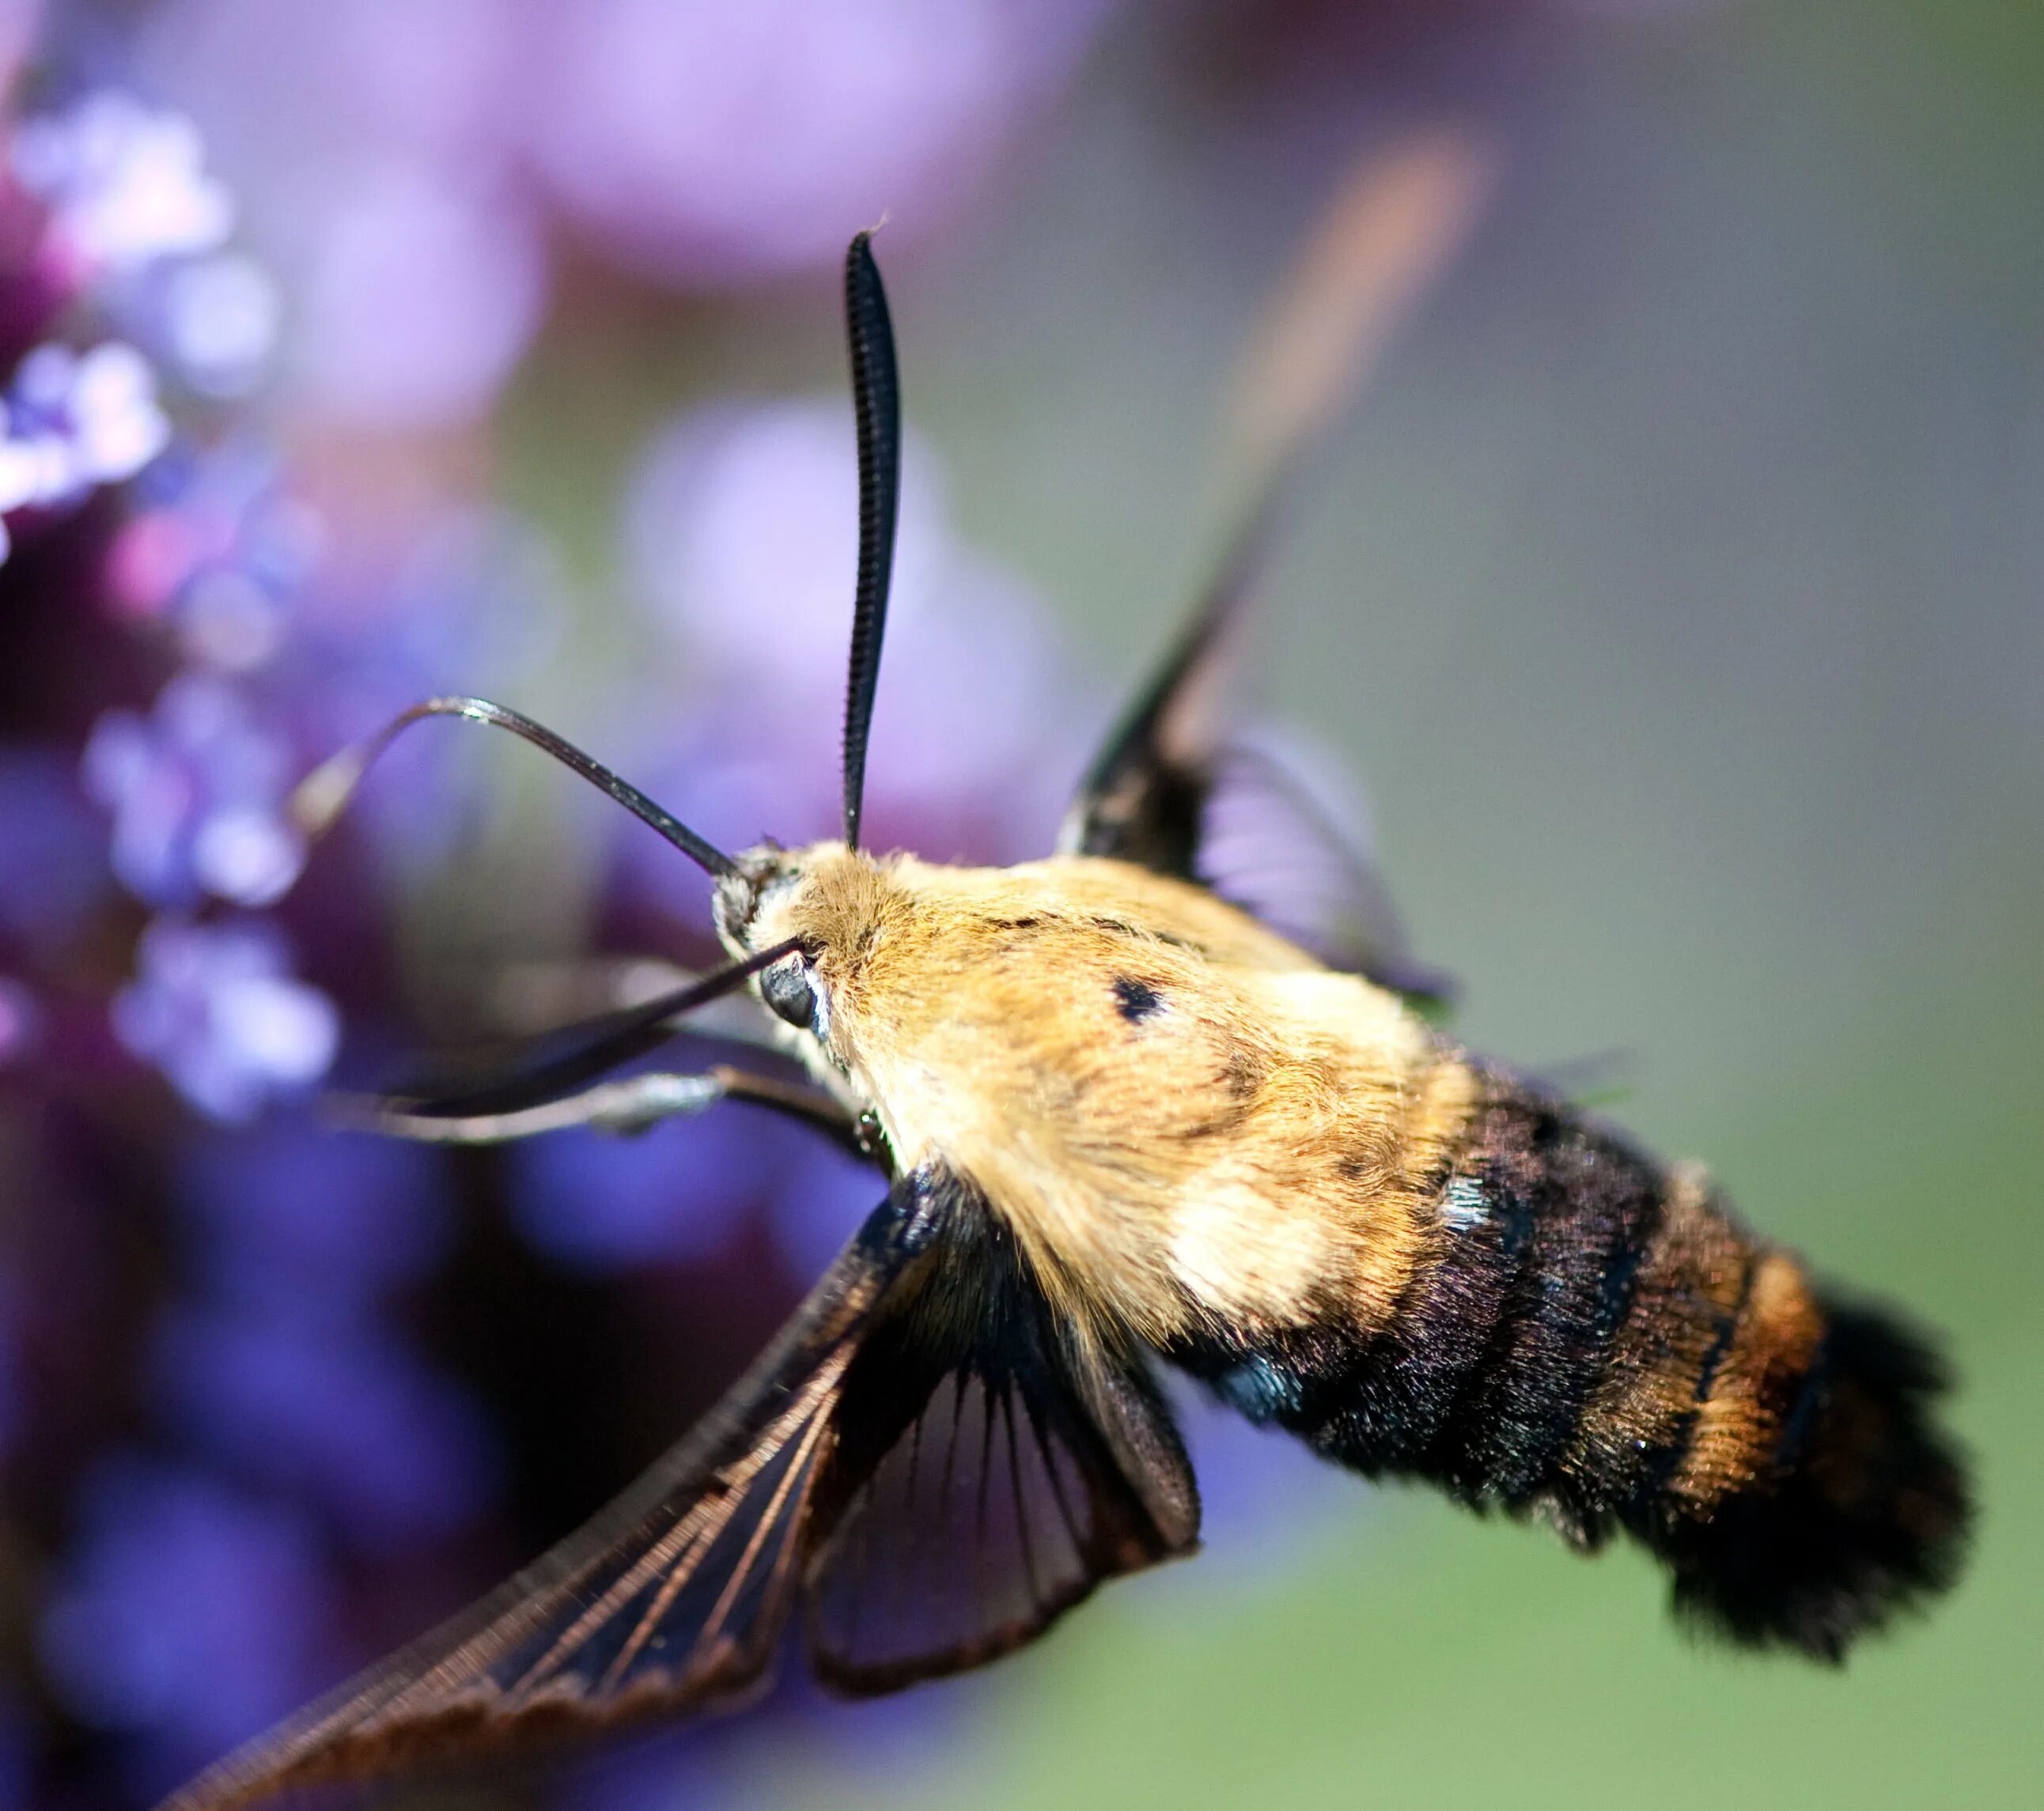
<point x="472" y="601"/>
<point x="741" y="532"/>
<point x="75" y="421"/>
<point x="389" y="155"/>
<point x="343" y="1416"/>
<point x="20" y="1019"/>
<point x="723" y="143"/>
<point x="216" y="1007"/>
<point x="220" y="545"/>
<point x="217" y="321"/>
<point x="292" y="1217"/>
<point x="52" y="856"/>
<point x="188" y="1612"/>
<point x="676" y="1193"/>
<point x="124" y="184"/>
<point x="1262" y="1491"/>
<point x="135" y="223"/>
<point x="423" y="293"/>
<point x="197" y="791"/>
<point x="377" y="152"/>
<point x="817" y="1204"/>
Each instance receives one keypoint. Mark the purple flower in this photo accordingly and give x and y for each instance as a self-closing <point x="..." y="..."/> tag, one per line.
<point x="676" y="1193"/>
<point x="1261" y="1490"/>
<point x="817" y="1205"/>
<point x="216" y="1007"/>
<point x="741" y="532"/>
<point x="20" y="1019"/>
<point x="75" y="421"/>
<point x="377" y="153"/>
<point x="220" y="545"/>
<point x="424" y="290"/>
<point x="344" y="1415"/>
<point x="216" y="321"/>
<point x="290" y="1218"/>
<point x="197" y="791"/>
<point x="723" y="143"/>
<point x="187" y="1611"/>
<point x="52" y="861"/>
<point x="124" y="183"/>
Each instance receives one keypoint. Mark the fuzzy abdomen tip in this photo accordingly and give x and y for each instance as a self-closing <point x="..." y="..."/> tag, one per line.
<point x="1867" y="1517"/>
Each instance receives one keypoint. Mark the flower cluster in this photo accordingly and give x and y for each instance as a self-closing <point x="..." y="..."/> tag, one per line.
<point x="414" y="161"/>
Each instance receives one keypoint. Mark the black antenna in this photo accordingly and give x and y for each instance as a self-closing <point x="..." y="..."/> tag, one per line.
<point x="592" y="1048"/>
<point x="876" y="394"/>
<point x="324" y="793"/>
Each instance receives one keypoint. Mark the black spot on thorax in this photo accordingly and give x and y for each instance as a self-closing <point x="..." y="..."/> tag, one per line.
<point x="1136" y="1000"/>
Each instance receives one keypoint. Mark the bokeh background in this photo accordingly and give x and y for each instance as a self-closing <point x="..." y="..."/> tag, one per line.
<point x="1674" y="599"/>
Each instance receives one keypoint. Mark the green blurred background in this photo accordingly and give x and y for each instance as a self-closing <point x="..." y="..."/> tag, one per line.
<point x="1678" y="591"/>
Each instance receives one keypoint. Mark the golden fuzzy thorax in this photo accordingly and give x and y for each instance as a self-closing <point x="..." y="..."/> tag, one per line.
<point x="1183" y="1116"/>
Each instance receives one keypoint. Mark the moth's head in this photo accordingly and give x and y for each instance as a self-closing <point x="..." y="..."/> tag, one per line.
<point x="827" y="901"/>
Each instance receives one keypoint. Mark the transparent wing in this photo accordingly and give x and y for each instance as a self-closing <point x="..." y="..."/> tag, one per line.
<point x="1152" y="793"/>
<point x="1059" y="1471"/>
<point x="1002" y="1475"/>
<point x="673" y="1597"/>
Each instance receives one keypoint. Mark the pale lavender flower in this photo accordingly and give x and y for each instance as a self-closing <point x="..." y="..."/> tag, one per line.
<point x="124" y="183"/>
<point x="220" y="545"/>
<point x="742" y="533"/>
<point x="420" y="297"/>
<point x="720" y="143"/>
<point x="376" y="155"/>
<point x="220" y="318"/>
<point x="196" y="789"/>
<point x="217" y="1008"/>
<point x="75" y="421"/>
<point x="188" y="1612"/>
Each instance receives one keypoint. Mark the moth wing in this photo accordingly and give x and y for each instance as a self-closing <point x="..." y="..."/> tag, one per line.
<point x="1173" y="791"/>
<point x="1291" y="855"/>
<point x="1148" y="798"/>
<point x="673" y="1597"/>
<point x="994" y="1474"/>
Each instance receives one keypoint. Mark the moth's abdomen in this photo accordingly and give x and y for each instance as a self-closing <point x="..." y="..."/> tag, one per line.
<point x="1594" y="1340"/>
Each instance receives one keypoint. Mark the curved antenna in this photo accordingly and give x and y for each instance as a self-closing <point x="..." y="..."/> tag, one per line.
<point x="595" y="1046"/>
<point x="876" y="397"/>
<point x="324" y="793"/>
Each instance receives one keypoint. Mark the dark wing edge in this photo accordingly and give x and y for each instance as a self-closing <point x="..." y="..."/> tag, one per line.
<point x="676" y="1597"/>
<point x="584" y="1637"/>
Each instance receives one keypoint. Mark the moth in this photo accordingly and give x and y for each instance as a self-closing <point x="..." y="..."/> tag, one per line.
<point x="1123" y="1123"/>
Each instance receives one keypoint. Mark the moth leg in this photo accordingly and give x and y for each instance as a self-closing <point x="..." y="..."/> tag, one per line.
<point x="630" y="1105"/>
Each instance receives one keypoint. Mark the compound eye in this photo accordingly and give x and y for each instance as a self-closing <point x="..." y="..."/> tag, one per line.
<point x="786" y="988"/>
